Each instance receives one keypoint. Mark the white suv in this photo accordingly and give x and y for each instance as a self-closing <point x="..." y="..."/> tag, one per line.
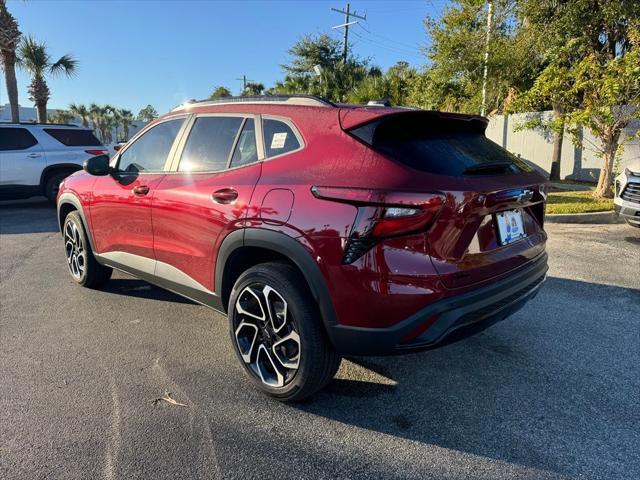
<point x="36" y="157"/>
<point x="627" y="195"/>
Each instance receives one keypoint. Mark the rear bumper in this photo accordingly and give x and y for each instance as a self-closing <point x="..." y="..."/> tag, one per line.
<point x="447" y="320"/>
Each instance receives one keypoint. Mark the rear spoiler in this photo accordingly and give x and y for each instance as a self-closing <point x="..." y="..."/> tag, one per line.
<point x="351" y="118"/>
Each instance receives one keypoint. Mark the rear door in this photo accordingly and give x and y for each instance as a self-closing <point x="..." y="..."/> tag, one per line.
<point x="21" y="158"/>
<point x="121" y="203"/>
<point x="71" y="145"/>
<point x="205" y="197"/>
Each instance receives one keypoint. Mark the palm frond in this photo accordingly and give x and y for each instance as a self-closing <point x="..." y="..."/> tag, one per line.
<point x="66" y="65"/>
<point x="33" y="56"/>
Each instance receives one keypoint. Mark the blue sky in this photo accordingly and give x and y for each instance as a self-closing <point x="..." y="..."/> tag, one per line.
<point x="132" y="53"/>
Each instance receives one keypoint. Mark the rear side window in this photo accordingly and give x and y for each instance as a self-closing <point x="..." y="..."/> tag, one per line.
<point x="150" y="151"/>
<point x="246" y="151"/>
<point x="16" y="139"/>
<point x="278" y="138"/>
<point x="74" y="137"/>
<point x="440" y="146"/>
<point x="208" y="147"/>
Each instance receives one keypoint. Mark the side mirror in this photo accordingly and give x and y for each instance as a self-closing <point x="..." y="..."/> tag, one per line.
<point x="97" y="165"/>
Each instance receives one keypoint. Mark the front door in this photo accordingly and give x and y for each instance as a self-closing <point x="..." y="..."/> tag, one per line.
<point x="195" y="207"/>
<point x="121" y="205"/>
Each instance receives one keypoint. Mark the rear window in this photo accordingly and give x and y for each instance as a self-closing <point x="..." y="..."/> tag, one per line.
<point x="279" y="138"/>
<point x="439" y="146"/>
<point x="74" y="137"/>
<point x="16" y="139"/>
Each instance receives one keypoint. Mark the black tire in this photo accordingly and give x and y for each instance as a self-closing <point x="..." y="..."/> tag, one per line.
<point x="636" y="225"/>
<point x="83" y="267"/>
<point x="52" y="185"/>
<point x="317" y="361"/>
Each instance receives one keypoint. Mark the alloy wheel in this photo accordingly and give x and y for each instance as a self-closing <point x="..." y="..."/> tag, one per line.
<point x="266" y="335"/>
<point x="75" y="251"/>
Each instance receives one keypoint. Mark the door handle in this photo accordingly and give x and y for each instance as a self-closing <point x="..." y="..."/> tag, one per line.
<point x="140" y="190"/>
<point x="34" y="155"/>
<point x="224" y="196"/>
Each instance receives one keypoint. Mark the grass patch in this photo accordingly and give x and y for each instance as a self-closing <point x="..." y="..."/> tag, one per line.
<point x="577" y="202"/>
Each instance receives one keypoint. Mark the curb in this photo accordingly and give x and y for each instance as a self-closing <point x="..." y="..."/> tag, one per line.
<point x="593" y="217"/>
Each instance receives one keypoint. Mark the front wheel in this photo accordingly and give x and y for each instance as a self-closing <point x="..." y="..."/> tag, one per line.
<point x="277" y="333"/>
<point x="83" y="267"/>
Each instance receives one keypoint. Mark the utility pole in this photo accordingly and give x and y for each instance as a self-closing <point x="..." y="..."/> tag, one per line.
<point x="486" y="58"/>
<point x="244" y="82"/>
<point x="347" y="14"/>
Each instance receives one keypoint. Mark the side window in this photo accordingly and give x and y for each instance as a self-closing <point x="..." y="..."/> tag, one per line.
<point x="246" y="151"/>
<point x="150" y="151"/>
<point x="16" y="139"/>
<point x="278" y="137"/>
<point x="209" y="144"/>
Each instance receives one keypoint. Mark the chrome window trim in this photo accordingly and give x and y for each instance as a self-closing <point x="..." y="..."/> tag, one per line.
<point x="293" y="128"/>
<point x="137" y="136"/>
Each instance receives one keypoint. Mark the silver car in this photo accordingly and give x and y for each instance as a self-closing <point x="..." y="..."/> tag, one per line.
<point x="627" y="194"/>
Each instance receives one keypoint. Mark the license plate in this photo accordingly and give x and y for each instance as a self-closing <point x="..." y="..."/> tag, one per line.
<point x="510" y="226"/>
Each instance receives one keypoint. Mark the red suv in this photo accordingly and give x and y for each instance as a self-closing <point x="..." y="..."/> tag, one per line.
<point x="321" y="230"/>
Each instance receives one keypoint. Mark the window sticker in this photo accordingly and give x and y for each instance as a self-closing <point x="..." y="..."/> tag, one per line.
<point x="278" y="140"/>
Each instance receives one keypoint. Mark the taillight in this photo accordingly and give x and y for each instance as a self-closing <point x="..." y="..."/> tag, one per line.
<point x="382" y="214"/>
<point x="97" y="152"/>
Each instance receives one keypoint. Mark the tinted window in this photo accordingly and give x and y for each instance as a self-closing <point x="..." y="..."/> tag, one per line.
<point x="246" y="151"/>
<point x="278" y="137"/>
<point x="150" y="151"/>
<point x="16" y="139"/>
<point x="446" y="147"/>
<point x="74" y="137"/>
<point x="209" y="144"/>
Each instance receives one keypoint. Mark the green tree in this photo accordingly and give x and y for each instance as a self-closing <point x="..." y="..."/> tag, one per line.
<point x="572" y="31"/>
<point x="147" y="114"/>
<point x="81" y="111"/>
<point x="253" y="88"/>
<point x="394" y="85"/>
<point x="61" y="116"/>
<point x="36" y="60"/>
<point x="220" y="92"/>
<point x="126" y="120"/>
<point x="316" y="68"/>
<point x="9" y="41"/>
<point x="456" y="54"/>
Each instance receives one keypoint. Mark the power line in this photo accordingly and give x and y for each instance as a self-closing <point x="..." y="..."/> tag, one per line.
<point x="387" y="39"/>
<point x="391" y="48"/>
<point x="345" y="25"/>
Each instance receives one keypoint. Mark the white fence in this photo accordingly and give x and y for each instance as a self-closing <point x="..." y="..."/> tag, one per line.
<point x="536" y="147"/>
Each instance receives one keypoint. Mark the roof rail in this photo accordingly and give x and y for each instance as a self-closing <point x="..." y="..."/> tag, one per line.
<point x="304" y="100"/>
<point x="40" y="123"/>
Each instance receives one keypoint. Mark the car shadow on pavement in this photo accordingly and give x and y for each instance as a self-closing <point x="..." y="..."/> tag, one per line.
<point x="534" y="390"/>
<point x="132" y="287"/>
<point x="34" y="215"/>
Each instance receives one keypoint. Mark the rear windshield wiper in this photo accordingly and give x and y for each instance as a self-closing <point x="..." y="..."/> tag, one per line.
<point x="487" y="168"/>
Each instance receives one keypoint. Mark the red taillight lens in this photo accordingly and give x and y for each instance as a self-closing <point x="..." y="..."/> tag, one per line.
<point x="382" y="213"/>
<point x="96" y="152"/>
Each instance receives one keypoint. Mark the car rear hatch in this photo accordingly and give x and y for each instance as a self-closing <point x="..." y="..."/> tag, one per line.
<point x="492" y="218"/>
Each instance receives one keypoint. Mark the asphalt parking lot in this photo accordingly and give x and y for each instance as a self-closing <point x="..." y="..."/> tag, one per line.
<point x="553" y="392"/>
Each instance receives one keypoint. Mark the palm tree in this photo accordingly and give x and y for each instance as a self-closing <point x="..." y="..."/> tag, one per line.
<point x="97" y="114"/>
<point x="126" y="119"/>
<point x="35" y="59"/>
<point x="61" y="116"/>
<point x="81" y="111"/>
<point x="9" y="39"/>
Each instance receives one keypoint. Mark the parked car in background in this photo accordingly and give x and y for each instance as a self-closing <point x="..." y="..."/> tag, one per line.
<point x="320" y="229"/>
<point x="627" y="195"/>
<point x="36" y="157"/>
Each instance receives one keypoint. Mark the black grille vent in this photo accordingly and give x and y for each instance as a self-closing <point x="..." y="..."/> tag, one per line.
<point x="631" y="192"/>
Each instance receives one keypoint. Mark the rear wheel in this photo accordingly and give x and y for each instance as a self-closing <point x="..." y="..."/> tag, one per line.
<point x="83" y="267"/>
<point x="277" y="333"/>
<point x="52" y="186"/>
